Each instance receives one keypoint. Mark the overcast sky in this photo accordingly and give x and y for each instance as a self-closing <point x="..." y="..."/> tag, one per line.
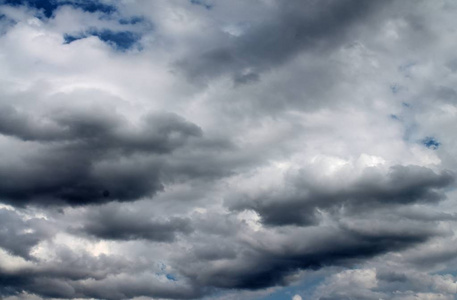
<point x="228" y="149"/>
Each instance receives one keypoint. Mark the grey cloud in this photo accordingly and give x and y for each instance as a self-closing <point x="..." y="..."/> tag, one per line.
<point x="381" y="283"/>
<point x="297" y="203"/>
<point x="15" y="123"/>
<point x="218" y="252"/>
<point x="298" y="26"/>
<point x="81" y="275"/>
<point x="425" y="214"/>
<point x="268" y="261"/>
<point x="103" y="129"/>
<point x="89" y="157"/>
<point x="139" y="205"/>
<point x="19" y="236"/>
<point x="126" y="287"/>
<point x="114" y="223"/>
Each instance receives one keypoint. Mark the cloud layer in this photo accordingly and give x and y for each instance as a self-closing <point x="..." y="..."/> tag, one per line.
<point x="227" y="149"/>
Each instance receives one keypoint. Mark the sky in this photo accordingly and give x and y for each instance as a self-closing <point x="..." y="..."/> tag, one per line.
<point x="215" y="149"/>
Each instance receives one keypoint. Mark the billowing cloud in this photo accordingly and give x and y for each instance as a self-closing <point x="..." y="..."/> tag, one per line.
<point x="293" y="27"/>
<point x="89" y="156"/>
<point x="19" y="236"/>
<point x="375" y="284"/>
<point x="227" y="149"/>
<point x="113" y="223"/>
<point x="302" y="195"/>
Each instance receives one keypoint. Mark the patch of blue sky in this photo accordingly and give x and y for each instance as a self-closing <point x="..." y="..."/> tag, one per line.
<point x="431" y="143"/>
<point x="93" y="6"/>
<point x="5" y="23"/>
<point x="119" y="40"/>
<point x="131" y="21"/>
<point x="49" y="6"/>
<point x="394" y="117"/>
<point x="451" y="270"/>
<point x="406" y="104"/>
<point x="68" y="38"/>
<point x="395" y="88"/>
<point x="406" y="69"/>
<point x="171" y="277"/>
<point x="202" y="3"/>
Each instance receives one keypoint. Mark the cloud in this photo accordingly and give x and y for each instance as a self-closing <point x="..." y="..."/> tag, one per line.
<point x="297" y="26"/>
<point x="111" y="223"/>
<point x="374" y="284"/>
<point x="227" y="149"/>
<point x="271" y="257"/>
<point x="79" y="275"/>
<point x="19" y="236"/>
<point x="89" y="157"/>
<point x="304" y="194"/>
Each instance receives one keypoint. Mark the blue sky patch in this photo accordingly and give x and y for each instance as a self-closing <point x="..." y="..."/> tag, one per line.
<point x="94" y="6"/>
<point x="68" y="38"/>
<point x="406" y="104"/>
<point x="394" y="117"/>
<point x="431" y="143"/>
<point x="131" y="21"/>
<point x="171" y="277"/>
<point x="119" y="40"/>
<point x="49" y="6"/>
<point x="201" y="3"/>
<point x="394" y="88"/>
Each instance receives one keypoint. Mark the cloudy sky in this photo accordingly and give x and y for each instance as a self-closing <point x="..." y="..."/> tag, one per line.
<point x="228" y="149"/>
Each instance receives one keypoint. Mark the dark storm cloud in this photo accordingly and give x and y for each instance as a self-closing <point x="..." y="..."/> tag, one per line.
<point x="114" y="223"/>
<point x="422" y="213"/>
<point x="269" y="260"/>
<point x="298" y="26"/>
<point x="19" y="236"/>
<point x="89" y="156"/>
<point x="217" y="252"/>
<point x="160" y="132"/>
<point x="297" y="204"/>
